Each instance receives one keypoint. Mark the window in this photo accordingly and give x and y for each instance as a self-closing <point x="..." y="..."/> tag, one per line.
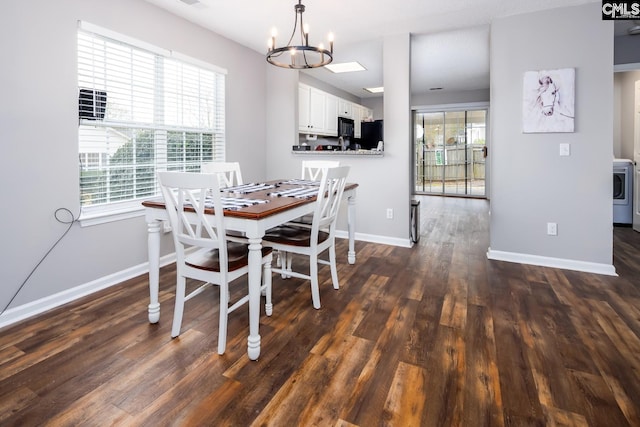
<point x="142" y="110"/>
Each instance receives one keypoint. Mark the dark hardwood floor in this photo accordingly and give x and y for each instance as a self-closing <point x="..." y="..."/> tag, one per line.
<point x="435" y="335"/>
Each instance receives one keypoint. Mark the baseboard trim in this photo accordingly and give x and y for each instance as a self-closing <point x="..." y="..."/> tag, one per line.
<point x="568" y="264"/>
<point x="16" y="314"/>
<point x="374" y="238"/>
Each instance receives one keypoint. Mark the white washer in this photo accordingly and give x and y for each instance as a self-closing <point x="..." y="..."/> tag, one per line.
<point x="622" y="191"/>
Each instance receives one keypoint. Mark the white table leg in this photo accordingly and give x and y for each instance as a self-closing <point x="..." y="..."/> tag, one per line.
<point x="351" y="225"/>
<point x="255" y="273"/>
<point x="153" y="248"/>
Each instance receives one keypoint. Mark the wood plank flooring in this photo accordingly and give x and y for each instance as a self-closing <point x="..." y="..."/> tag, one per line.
<point x="435" y="335"/>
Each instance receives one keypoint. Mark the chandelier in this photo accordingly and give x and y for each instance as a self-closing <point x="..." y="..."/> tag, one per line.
<point x="303" y="55"/>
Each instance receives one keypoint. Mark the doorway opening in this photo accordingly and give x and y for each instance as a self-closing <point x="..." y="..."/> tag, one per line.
<point x="450" y="151"/>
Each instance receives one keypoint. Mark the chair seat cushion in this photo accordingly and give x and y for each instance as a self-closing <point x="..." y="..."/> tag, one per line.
<point x="237" y="254"/>
<point x="294" y="236"/>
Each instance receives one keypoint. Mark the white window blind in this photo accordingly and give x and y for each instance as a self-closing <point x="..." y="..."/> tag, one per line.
<point x="141" y="111"/>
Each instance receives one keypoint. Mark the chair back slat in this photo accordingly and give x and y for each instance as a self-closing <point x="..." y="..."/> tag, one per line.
<point x="312" y="169"/>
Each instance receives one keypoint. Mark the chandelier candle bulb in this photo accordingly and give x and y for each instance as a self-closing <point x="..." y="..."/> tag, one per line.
<point x="272" y="44"/>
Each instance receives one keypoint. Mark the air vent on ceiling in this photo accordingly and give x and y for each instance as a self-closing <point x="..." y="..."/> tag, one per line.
<point x="190" y="2"/>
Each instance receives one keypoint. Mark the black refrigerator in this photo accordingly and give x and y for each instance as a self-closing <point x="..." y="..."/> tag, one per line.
<point x="370" y="134"/>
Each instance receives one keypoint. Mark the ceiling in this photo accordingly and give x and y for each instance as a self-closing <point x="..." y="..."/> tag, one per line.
<point x="450" y="39"/>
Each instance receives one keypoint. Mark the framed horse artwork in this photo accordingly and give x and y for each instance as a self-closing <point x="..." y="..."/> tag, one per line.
<point x="548" y="101"/>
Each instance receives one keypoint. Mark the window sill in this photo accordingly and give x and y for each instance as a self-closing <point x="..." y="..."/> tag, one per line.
<point x="90" y="217"/>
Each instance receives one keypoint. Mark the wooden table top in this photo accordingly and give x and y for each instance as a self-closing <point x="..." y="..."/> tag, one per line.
<point x="260" y="210"/>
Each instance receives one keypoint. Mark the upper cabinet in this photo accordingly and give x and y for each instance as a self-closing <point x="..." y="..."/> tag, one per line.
<point x="345" y="109"/>
<point x="318" y="112"/>
<point x="312" y="114"/>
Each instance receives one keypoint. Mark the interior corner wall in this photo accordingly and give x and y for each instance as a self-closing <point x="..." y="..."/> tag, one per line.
<point x="531" y="184"/>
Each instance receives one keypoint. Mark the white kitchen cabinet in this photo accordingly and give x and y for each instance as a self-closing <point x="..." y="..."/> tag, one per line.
<point x="331" y="115"/>
<point x="304" y="120"/>
<point x="318" y="112"/>
<point x="345" y="108"/>
<point x="311" y="110"/>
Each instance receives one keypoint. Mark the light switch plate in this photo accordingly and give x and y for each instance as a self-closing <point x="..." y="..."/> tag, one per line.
<point x="565" y="149"/>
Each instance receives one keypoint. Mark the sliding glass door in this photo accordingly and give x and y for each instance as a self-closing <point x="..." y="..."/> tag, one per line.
<point x="450" y="152"/>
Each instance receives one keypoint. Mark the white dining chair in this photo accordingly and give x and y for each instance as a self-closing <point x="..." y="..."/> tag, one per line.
<point x="229" y="173"/>
<point x="203" y="251"/>
<point x="312" y="169"/>
<point x="311" y="241"/>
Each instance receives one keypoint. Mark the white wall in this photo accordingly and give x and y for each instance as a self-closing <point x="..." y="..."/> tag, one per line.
<point x="38" y="133"/>
<point x="395" y="175"/>
<point x="376" y="104"/>
<point x="450" y="97"/>
<point x="531" y="183"/>
<point x="282" y="122"/>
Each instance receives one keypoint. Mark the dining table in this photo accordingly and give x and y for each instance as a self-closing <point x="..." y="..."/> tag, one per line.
<point x="252" y="209"/>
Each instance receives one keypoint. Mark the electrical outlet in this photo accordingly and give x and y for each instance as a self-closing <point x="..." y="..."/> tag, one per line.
<point x="552" y="229"/>
<point x="389" y="213"/>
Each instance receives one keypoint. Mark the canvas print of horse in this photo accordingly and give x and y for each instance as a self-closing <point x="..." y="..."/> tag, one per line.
<point x="548" y="101"/>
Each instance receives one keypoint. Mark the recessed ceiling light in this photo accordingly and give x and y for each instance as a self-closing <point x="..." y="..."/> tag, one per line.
<point x="378" y="89"/>
<point x="345" y="67"/>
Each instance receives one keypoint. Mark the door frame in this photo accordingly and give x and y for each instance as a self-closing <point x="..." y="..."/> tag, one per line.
<point x="636" y="158"/>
